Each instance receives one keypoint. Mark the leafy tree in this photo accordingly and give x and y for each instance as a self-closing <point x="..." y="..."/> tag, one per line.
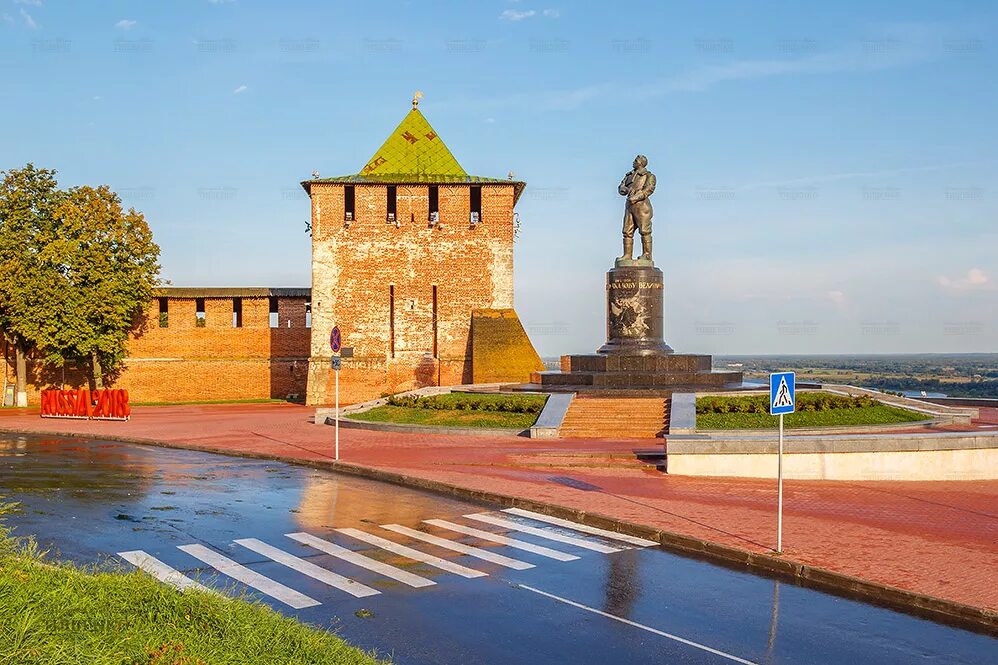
<point x="111" y="265"/>
<point x="76" y="272"/>
<point x="29" y="198"/>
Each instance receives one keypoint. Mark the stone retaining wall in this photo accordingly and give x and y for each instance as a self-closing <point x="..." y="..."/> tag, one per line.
<point x="936" y="456"/>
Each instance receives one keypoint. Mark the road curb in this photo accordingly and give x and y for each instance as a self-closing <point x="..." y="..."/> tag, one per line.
<point x="349" y="423"/>
<point x="930" y="607"/>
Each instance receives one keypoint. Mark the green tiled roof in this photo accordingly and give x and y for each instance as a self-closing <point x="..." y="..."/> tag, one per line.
<point x="413" y="154"/>
<point x="413" y="149"/>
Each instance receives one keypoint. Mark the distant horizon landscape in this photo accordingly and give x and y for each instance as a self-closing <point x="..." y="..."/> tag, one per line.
<point x="973" y="375"/>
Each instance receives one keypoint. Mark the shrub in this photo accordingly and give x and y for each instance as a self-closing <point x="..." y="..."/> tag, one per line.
<point x="760" y="403"/>
<point x="456" y="402"/>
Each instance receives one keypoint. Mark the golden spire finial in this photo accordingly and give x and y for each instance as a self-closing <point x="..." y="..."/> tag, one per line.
<point x="415" y="99"/>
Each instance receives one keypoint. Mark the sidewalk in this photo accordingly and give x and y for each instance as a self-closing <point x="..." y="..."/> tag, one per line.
<point x="934" y="538"/>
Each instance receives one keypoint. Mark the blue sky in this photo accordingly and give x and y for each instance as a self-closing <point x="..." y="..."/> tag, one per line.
<point x="827" y="173"/>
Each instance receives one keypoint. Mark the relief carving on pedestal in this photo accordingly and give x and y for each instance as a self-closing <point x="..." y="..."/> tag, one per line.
<point x="628" y="315"/>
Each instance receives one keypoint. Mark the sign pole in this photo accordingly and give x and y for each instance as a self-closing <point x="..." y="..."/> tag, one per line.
<point x="782" y="399"/>
<point x="336" y="344"/>
<point x="779" y="493"/>
<point x="337" y="372"/>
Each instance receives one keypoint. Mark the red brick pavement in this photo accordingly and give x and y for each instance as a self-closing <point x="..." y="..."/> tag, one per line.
<point x="936" y="538"/>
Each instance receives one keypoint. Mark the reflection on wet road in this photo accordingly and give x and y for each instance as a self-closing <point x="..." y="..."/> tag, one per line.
<point x="438" y="580"/>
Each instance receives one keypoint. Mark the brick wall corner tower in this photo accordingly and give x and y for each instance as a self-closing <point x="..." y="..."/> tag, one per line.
<point x="403" y="253"/>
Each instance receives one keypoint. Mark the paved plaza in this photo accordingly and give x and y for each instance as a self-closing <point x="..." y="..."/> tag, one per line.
<point x="934" y="538"/>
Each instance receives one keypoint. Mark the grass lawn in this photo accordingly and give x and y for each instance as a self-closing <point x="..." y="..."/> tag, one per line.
<point x="475" y="411"/>
<point x="452" y="399"/>
<point x="446" y="418"/>
<point x="57" y="614"/>
<point x="872" y="415"/>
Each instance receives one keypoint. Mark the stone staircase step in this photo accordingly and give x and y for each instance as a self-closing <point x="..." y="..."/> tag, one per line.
<point x="616" y="417"/>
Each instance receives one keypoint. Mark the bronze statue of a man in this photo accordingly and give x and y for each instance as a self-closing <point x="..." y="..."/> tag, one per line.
<point x="637" y="186"/>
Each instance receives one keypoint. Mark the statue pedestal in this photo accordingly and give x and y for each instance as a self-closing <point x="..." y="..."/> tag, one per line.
<point x="634" y="321"/>
<point x="635" y="361"/>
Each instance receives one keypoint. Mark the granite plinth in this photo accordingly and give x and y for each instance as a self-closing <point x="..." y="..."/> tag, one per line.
<point x="672" y="363"/>
<point x="615" y="373"/>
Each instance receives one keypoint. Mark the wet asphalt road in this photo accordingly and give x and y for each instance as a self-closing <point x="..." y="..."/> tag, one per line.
<point x="89" y="500"/>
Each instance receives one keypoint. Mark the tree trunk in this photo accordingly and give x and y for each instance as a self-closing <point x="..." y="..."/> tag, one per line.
<point x="98" y="371"/>
<point x="21" y="369"/>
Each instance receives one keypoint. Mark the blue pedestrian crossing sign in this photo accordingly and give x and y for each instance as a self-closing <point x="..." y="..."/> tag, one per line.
<point x="782" y="397"/>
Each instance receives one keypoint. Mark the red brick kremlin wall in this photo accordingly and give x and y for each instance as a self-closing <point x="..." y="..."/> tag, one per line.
<point x="185" y="362"/>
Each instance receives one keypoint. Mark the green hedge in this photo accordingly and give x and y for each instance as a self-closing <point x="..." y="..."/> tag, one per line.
<point x="760" y="403"/>
<point x="472" y="402"/>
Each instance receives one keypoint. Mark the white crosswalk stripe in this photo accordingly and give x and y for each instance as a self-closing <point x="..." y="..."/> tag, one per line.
<point x="505" y="520"/>
<point x="557" y="521"/>
<point x="250" y="578"/>
<point x="361" y="560"/>
<point x="410" y="553"/>
<point x="160" y="570"/>
<point x="476" y="552"/>
<point x="352" y="587"/>
<point x="503" y="540"/>
<point x="543" y="533"/>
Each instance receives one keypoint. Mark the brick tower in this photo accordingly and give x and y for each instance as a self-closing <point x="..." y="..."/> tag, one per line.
<point x="408" y="257"/>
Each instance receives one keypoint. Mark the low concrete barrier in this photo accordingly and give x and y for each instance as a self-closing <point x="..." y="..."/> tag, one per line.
<point x="549" y="421"/>
<point x="932" y="456"/>
<point x="683" y="413"/>
<point x="977" y="402"/>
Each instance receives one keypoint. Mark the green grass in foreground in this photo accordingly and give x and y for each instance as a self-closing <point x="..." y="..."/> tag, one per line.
<point x="446" y="418"/>
<point x="871" y="415"/>
<point x="57" y="614"/>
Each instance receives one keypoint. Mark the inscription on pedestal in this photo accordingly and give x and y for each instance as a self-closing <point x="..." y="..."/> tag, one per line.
<point x="634" y="285"/>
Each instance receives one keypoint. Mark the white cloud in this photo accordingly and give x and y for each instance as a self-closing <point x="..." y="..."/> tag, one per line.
<point x="837" y="297"/>
<point x="33" y="3"/>
<point x="28" y="21"/>
<point x="975" y="280"/>
<point x="518" y="15"/>
<point x="125" y="24"/>
<point x="6" y="18"/>
<point x="240" y="90"/>
<point x="514" y="15"/>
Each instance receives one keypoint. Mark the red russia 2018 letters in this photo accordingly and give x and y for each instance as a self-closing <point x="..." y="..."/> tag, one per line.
<point x="106" y="404"/>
